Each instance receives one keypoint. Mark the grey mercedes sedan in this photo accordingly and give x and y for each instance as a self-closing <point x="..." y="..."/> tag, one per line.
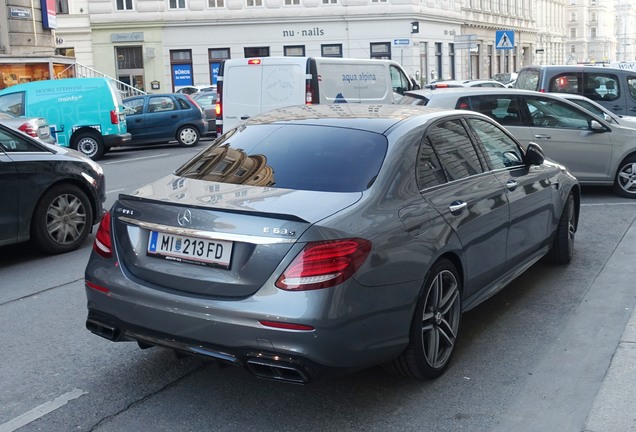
<point x="329" y="238"/>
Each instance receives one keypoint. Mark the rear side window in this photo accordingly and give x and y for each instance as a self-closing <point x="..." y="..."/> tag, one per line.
<point x="13" y="103"/>
<point x="301" y="157"/>
<point x="455" y="150"/>
<point x="528" y="79"/>
<point x="631" y="85"/>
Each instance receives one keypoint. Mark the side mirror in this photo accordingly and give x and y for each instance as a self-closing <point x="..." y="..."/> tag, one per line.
<point x="534" y="154"/>
<point x="595" y="126"/>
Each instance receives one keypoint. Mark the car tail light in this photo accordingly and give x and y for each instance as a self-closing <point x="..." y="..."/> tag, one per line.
<point x="114" y="116"/>
<point x="29" y="129"/>
<point x="309" y="94"/>
<point x="103" y="243"/>
<point x="324" y="264"/>
<point x="254" y="61"/>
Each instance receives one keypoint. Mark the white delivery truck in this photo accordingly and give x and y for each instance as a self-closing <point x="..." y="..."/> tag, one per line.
<point x="249" y="86"/>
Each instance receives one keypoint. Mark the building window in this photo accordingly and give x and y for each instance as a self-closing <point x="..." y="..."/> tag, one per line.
<point x="380" y="50"/>
<point x="292" y="2"/>
<point x="329" y="2"/>
<point x="593" y="32"/>
<point x="572" y="16"/>
<point x="451" y="59"/>
<point x="572" y="49"/>
<point x="438" y="60"/>
<point x="593" y="16"/>
<point x="256" y="52"/>
<point x="215" y="57"/>
<point x="573" y="33"/>
<point x="177" y="4"/>
<point x="61" y="6"/>
<point x="124" y="5"/>
<point x="254" y="3"/>
<point x="331" y="50"/>
<point x="215" y="3"/>
<point x="294" y="51"/>
<point x="181" y="68"/>
<point x="378" y="1"/>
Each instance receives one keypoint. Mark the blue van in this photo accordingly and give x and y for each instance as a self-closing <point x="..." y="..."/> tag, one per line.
<point x="86" y="114"/>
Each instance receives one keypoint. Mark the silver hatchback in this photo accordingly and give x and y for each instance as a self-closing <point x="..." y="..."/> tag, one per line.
<point x="329" y="238"/>
<point x="597" y="151"/>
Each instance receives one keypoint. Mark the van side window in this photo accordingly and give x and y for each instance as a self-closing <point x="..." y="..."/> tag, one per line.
<point x="631" y="85"/>
<point x="601" y="86"/>
<point x="13" y="103"/>
<point x="399" y="81"/>
<point x="565" y="83"/>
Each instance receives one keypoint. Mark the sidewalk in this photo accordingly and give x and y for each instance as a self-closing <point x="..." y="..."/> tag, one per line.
<point x="614" y="408"/>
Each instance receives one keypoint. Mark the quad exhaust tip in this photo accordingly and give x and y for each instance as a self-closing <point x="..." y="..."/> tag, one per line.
<point x="273" y="370"/>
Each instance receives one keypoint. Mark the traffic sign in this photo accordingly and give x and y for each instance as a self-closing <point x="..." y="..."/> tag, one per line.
<point x="401" y="42"/>
<point x="505" y="39"/>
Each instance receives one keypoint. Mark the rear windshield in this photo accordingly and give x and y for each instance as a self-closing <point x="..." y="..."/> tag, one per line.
<point x="301" y="157"/>
<point x="528" y="79"/>
<point x="413" y="100"/>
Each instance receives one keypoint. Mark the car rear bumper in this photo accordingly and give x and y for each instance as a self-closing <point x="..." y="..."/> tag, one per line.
<point x="231" y="330"/>
<point x="116" y="139"/>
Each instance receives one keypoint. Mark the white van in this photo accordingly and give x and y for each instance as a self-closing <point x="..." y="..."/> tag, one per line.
<point x="250" y="86"/>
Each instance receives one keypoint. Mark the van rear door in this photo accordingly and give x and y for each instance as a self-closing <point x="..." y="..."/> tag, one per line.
<point x="255" y="85"/>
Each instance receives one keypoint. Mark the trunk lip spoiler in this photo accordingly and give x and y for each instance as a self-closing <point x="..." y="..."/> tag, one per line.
<point x="209" y="235"/>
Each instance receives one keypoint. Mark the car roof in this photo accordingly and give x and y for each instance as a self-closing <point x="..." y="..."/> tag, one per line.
<point x="467" y="91"/>
<point x="374" y="118"/>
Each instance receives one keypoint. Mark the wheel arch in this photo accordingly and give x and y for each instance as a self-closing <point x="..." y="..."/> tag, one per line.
<point x="82" y="130"/>
<point x="74" y="182"/>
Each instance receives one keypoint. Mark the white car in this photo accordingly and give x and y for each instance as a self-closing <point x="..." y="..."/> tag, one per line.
<point x="599" y="109"/>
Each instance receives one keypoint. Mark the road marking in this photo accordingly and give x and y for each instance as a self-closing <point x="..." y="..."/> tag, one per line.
<point x="41" y="411"/>
<point x="607" y="204"/>
<point x="136" y="159"/>
<point x="115" y="190"/>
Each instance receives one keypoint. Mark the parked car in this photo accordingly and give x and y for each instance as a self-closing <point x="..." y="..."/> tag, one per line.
<point x="50" y="195"/>
<point x="329" y="237"/>
<point x="596" y="151"/>
<point x="507" y="79"/>
<point x="464" y="83"/>
<point x="37" y="127"/>
<point x="599" y="110"/>
<point x="207" y="101"/>
<point x="161" y="118"/>
<point x="613" y="88"/>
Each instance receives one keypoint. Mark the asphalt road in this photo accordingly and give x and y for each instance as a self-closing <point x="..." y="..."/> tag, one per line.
<point x="530" y="359"/>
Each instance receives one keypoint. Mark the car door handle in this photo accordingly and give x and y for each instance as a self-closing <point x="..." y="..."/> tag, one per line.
<point x="512" y="184"/>
<point x="456" y="207"/>
<point x="543" y="136"/>
<point x="138" y="120"/>
<point x="174" y="116"/>
<point x="244" y="117"/>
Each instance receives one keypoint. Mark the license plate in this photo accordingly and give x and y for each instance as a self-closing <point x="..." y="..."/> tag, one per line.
<point x="190" y="249"/>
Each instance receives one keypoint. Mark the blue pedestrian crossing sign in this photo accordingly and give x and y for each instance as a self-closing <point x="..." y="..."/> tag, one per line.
<point x="505" y="39"/>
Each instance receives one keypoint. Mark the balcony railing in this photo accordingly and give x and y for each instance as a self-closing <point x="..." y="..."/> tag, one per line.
<point x="82" y="71"/>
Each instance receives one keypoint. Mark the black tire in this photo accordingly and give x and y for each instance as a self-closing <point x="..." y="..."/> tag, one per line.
<point x="188" y="136"/>
<point x="563" y="244"/>
<point x="435" y="325"/>
<point x="625" y="180"/>
<point x="62" y="219"/>
<point x="90" y="144"/>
